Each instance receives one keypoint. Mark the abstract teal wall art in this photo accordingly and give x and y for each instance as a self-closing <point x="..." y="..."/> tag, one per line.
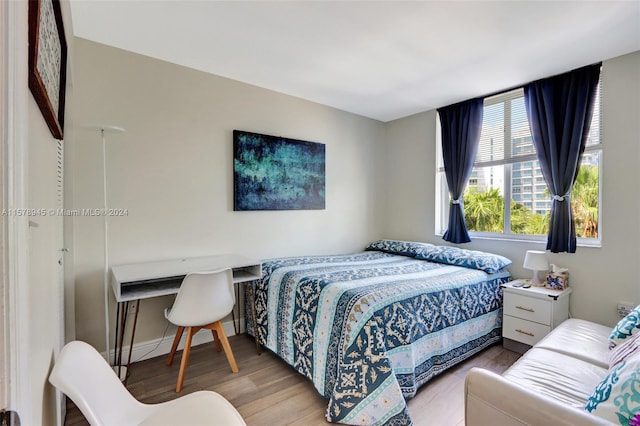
<point x="276" y="173"/>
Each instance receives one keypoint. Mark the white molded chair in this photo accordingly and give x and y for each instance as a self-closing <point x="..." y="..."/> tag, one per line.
<point x="83" y="375"/>
<point x="203" y="300"/>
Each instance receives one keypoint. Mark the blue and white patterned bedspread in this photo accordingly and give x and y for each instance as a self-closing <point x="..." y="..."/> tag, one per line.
<point x="370" y="328"/>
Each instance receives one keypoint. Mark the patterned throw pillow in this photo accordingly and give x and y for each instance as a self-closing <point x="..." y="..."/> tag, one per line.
<point x="627" y="327"/>
<point x="624" y="350"/>
<point x="617" y="397"/>
<point x="488" y="262"/>
<point x="404" y="248"/>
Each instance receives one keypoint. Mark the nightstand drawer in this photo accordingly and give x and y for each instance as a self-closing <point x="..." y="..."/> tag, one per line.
<point x="523" y="331"/>
<point x="528" y="308"/>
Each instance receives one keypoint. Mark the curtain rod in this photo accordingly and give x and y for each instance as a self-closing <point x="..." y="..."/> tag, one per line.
<point x="499" y="92"/>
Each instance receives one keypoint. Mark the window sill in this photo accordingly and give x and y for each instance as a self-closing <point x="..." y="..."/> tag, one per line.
<point x="486" y="236"/>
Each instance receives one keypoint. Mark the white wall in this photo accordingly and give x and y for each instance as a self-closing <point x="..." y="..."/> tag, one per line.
<point x="33" y="242"/>
<point x="600" y="277"/>
<point x="45" y="275"/>
<point x="172" y="170"/>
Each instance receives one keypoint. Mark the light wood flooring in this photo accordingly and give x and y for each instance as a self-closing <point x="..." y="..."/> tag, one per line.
<point x="268" y="392"/>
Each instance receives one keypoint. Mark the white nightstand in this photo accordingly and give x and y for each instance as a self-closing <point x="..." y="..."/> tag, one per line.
<point x="529" y="314"/>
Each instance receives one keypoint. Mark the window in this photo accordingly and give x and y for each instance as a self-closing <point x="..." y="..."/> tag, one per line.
<point x="508" y="197"/>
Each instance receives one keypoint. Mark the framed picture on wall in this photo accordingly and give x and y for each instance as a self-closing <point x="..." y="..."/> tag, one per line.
<point x="276" y="173"/>
<point x="48" y="61"/>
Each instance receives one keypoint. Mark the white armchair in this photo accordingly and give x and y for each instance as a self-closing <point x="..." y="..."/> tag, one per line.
<point x="85" y="377"/>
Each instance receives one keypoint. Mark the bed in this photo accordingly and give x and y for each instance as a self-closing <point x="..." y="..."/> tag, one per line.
<point x="369" y="328"/>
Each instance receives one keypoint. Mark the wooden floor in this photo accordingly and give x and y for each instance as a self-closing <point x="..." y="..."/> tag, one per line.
<point x="268" y="392"/>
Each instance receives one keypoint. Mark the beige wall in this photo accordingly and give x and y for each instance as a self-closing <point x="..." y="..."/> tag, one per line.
<point x="172" y="170"/>
<point x="600" y="277"/>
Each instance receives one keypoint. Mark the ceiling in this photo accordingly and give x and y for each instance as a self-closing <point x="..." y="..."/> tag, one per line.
<point x="379" y="59"/>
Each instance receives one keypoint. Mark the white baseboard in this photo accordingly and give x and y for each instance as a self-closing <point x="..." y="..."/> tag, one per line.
<point x="162" y="346"/>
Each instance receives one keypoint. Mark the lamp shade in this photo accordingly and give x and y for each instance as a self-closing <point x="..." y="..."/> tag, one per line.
<point x="536" y="260"/>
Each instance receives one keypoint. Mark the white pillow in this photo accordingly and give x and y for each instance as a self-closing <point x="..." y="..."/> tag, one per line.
<point x="624" y="350"/>
<point x="626" y="327"/>
<point x="617" y="397"/>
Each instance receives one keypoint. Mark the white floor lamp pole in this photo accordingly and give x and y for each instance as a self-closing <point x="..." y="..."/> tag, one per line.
<point x="103" y="129"/>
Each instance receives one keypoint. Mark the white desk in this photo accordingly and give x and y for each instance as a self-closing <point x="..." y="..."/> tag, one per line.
<point x="137" y="281"/>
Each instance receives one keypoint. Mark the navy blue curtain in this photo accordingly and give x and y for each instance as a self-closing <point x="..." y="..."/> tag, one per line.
<point x="461" y="125"/>
<point x="559" y="111"/>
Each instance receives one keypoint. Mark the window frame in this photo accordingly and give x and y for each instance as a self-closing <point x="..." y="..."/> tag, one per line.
<point x="442" y="198"/>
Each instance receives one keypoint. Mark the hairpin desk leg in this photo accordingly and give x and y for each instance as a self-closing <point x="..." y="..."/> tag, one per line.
<point x="254" y="322"/>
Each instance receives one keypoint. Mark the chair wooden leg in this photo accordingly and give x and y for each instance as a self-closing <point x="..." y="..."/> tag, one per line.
<point x="216" y="339"/>
<point x="185" y="359"/>
<point x="174" y="347"/>
<point x="217" y="326"/>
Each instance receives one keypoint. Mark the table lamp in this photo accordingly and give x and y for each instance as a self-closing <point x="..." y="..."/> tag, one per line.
<point x="537" y="261"/>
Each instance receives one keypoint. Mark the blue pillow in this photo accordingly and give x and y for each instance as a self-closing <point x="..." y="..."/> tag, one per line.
<point x="404" y="248"/>
<point x="488" y="262"/>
